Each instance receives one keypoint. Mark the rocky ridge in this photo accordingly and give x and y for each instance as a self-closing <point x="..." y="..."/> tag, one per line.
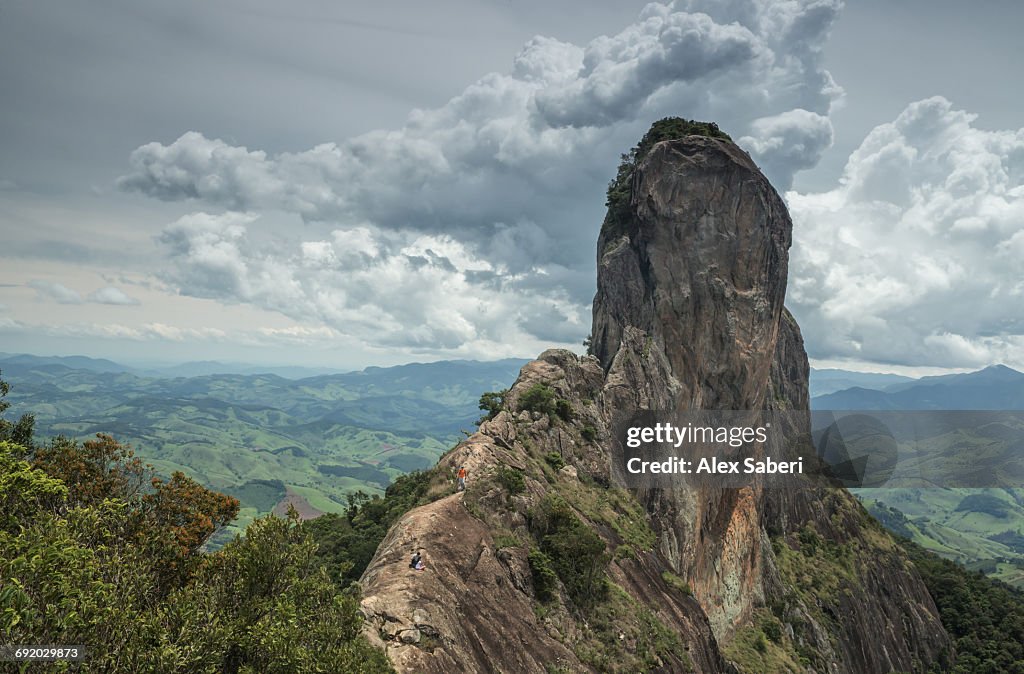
<point x="689" y="314"/>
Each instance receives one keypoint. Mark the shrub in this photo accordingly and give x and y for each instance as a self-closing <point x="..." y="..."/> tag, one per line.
<point x="491" y="403"/>
<point x="563" y="410"/>
<point x="760" y="644"/>
<point x="545" y="580"/>
<point x="577" y="554"/>
<point x="511" y="479"/>
<point x="554" y="459"/>
<point x="538" y="398"/>
<point x="589" y="433"/>
<point x="809" y="541"/>
<point x="772" y="630"/>
<point x="505" y="540"/>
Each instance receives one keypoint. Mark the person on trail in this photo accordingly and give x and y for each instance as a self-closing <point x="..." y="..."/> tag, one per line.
<point x="462" y="478"/>
<point x="417" y="560"/>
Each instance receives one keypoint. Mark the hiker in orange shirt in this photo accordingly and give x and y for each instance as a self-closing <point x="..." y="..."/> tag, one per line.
<point x="462" y="478"/>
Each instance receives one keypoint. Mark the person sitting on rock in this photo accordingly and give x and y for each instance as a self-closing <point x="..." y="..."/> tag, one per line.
<point x="416" y="560"/>
<point x="462" y="478"/>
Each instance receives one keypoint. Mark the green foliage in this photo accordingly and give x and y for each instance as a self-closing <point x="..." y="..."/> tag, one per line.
<point x="669" y="128"/>
<point x="577" y="554"/>
<point x="589" y="433"/>
<point x="762" y="646"/>
<point x="810" y="541"/>
<point x="115" y="564"/>
<point x="545" y="580"/>
<point x="772" y="629"/>
<point x="563" y="410"/>
<point x="491" y="403"/>
<point x="984" y="617"/>
<point x="623" y="635"/>
<point x="17" y="432"/>
<point x="554" y="459"/>
<point x="511" y="479"/>
<point x="506" y="540"/>
<point x="25" y="491"/>
<point x="268" y="606"/>
<point x="347" y="542"/>
<point x="538" y="398"/>
<point x="674" y="581"/>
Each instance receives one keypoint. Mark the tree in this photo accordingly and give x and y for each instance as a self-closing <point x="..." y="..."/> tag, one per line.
<point x="492" y="402"/>
<point x="18" y="432"/>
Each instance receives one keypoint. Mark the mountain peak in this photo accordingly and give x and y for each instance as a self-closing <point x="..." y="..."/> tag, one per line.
<point x="689" y="314"/>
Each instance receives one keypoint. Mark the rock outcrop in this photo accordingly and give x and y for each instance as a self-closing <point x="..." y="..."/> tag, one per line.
<point x="689" y="314"/>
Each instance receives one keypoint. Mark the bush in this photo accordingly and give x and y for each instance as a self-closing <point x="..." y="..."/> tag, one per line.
<point x="577" y="554"/>
<point x="545" y="580"/>
<point x="589" y="433"/>
<point x="563" y="410"/>
<point x="772" y="630"/>
<point x="115" y="564"/>
<point x="511" y="479"/>
<point x="554" y="459"/>
<point x="760" y="644"/>
<point x="538" y="398"/>
<point x="491" y="403"/>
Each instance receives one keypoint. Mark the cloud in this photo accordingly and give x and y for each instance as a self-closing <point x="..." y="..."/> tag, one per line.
<point x="435" y="233"/>
<point x="404" y="290"/>
<point x="510" y="147"/>
<point x="64" y="295"/>
<point x="55" y="291"/>
<point x="111" y="295"/>
<point x="915" y="257"/>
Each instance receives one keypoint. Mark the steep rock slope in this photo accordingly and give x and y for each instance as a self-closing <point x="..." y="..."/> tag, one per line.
<point x="688" y="315"/>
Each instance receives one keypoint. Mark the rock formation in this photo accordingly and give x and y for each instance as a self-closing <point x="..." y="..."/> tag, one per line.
<point x="689" y="314"/>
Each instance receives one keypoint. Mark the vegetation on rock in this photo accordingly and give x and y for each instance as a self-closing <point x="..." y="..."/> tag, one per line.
<point x="669" y="128"/>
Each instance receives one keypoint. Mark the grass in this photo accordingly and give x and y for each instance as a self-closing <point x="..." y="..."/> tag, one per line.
<point x="754" y="650"/>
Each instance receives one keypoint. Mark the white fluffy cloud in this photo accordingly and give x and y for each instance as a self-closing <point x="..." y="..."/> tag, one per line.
<point x="478" y="217"/>
<point x="915" y="258"/>
<point x="411" y="290"/>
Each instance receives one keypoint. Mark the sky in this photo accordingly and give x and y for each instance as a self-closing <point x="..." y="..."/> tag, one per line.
<point x="340" y="185"/>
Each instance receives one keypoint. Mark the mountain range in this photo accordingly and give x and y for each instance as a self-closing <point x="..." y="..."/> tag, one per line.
<point x="996" y="387"/>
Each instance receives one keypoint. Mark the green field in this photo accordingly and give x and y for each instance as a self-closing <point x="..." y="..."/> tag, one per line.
<point x="983" y="529"/>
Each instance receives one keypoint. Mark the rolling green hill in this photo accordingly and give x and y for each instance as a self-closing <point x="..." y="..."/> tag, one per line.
<point x="265" y="439"/>
<point x="982" y="529"/>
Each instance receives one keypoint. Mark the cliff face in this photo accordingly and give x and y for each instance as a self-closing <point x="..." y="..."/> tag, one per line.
<point x="688" y="315"/>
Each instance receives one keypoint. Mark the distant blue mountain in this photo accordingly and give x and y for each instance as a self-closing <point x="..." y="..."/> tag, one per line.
<point x="830" y="380"/>
<point x="70" y="362"/>
<point x="204" y="368"/>
<point x="994" y="388"/>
